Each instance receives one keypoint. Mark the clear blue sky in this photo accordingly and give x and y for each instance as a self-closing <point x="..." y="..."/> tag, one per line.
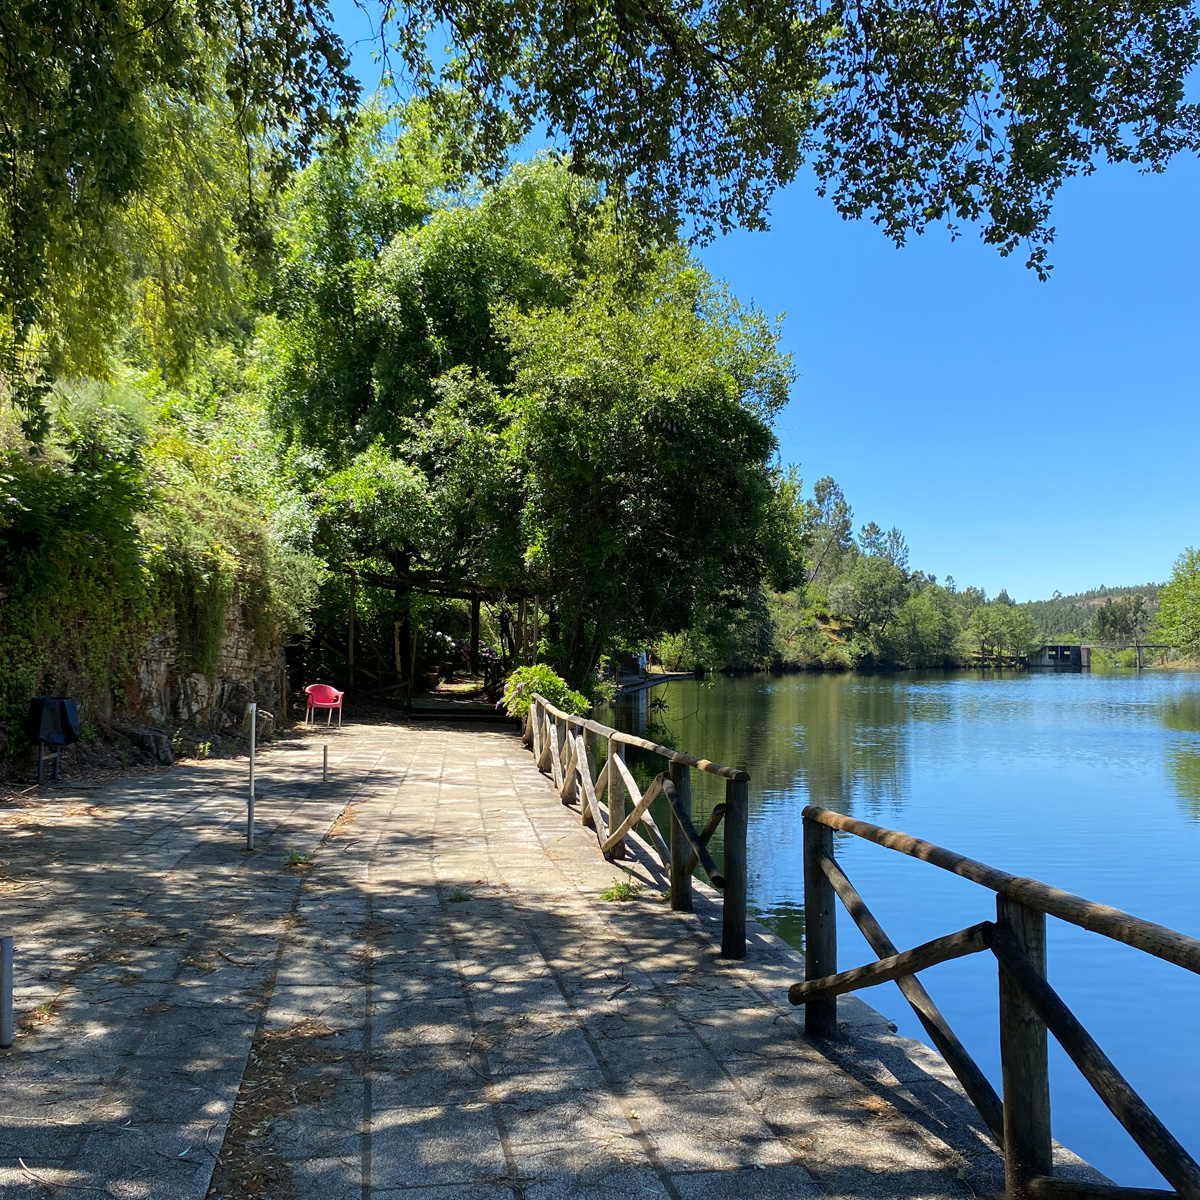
<point x="1023" y="435"/>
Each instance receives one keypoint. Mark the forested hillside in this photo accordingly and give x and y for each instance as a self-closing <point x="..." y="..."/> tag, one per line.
<point x="862" y="604"/>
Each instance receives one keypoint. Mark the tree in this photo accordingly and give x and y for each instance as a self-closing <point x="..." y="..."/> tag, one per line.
<point x="641" y="420"/>
<point x="390" y="277"/>
<point x="706" y="109"/>
<point x="870" y="593"/>
<point x="890" y="545"/>
<point x="926" y="630"/>
<point x="93" y="97"/>
<point x="1179" y="604"/>
<point x="983" y="629"/>
<point x="1121" y="619"/>
<point x="1016" y="630"/>
<point x="832" y="523"/>
<point x="684" y="111"/>
<point x="517" y="398"/>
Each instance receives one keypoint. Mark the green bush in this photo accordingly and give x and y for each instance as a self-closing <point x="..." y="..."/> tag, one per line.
<point x="524" y="681"/>
<point x="140" y="505"/>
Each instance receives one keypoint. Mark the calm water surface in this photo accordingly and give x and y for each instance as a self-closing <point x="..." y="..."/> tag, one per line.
<point x="1090" y="782"/>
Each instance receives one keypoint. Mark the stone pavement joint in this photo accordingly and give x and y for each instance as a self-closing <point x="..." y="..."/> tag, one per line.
<point x="439" y="1006"/>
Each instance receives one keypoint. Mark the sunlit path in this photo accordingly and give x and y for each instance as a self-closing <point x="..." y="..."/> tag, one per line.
<point x="440" y="1001"/>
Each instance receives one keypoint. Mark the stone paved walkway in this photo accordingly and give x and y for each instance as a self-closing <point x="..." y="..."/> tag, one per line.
<point x="439" y="1004"/>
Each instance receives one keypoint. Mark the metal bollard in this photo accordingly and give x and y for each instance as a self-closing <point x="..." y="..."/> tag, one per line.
<point x="6" y="992"/>
<point x="253" y="713"/>
<point x="325" y="764"/>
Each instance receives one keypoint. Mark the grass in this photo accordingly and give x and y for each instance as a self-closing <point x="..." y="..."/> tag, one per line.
<point x="622" y="890"/>
<point x="296" y="859"/>
<point x="458" y="896"/>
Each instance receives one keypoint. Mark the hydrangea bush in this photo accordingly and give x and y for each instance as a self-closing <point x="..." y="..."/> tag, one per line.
<point x="521" y="685"/>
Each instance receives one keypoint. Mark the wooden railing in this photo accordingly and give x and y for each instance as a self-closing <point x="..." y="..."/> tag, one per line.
<point x="565" y="748"/>
<point x="1029" y="1006"/>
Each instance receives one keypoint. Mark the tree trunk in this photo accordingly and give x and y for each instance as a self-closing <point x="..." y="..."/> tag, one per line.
<point x="474" y="663"/>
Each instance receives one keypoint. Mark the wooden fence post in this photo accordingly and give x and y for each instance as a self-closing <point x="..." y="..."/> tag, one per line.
<point x="820" y="928"/>
<point x="733" y="910"/>
<point x="616" y="795"/>
<point x="681" y="850"/>
<point x="353" y="612"/>
<point x="473" y="650"/>
<point x="566" y="754"/>
<point x="588" y="766"/>
<point x="1023" y="1058"/>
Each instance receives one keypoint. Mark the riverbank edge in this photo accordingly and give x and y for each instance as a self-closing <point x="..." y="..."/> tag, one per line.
<point x="871" y="1050"/>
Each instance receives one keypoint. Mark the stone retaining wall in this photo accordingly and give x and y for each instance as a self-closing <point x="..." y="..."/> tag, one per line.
<point x="246" y="672"/>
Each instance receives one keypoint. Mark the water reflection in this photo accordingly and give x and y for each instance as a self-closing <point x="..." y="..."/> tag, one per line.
<point x="839" y="741"/>
<point x="1181" y="714"/>
<point x="1090" y="782"/>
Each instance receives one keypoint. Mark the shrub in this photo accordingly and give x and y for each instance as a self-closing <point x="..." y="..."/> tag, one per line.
<point x="524" y="681"/>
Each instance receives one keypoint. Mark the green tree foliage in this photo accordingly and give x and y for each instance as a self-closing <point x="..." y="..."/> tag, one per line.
<point x="129" y="118"/>
<point x="1179" y="604"/>
<point x="684" y="110"/>
<point x="1121" y="619"/>
<point x="642" y="427"/>
<point x="706" y="109"/>
<point x="518" y="398"/>
<point x="870" y="593"/>
<point x="831" y="531"/>
<point x="1071" y="618"/>
<point x="143" y="506"/>
<point x="1000" y="628"/>
<point x="926" y="631"/>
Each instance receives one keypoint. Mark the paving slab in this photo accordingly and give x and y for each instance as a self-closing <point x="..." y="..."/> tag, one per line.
<point x="432" y="1001"/>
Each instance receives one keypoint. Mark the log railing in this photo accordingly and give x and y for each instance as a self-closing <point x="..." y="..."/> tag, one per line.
<point x="1029" y="1006"/>
<point x="611" y="802"/>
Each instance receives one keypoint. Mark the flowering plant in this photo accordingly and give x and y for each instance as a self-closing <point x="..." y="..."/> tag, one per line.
<point x="524" y="681"/>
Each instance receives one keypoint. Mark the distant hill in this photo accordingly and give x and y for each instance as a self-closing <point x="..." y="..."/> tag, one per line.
<point x="1066" y="617"/>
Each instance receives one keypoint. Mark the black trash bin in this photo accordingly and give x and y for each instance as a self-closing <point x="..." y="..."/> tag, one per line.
<point x="53" y="724"/>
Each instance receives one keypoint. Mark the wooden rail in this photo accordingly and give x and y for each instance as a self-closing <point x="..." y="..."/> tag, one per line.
<point x="611" y="802"/>
<point x="1030" y="1009"/>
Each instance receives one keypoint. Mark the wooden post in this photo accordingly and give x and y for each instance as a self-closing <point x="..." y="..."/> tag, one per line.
<point x="474" y="651"/>
<point x="1023" y="1058"/>
<point x="616" y="796"/>
<point x="681" y="881"/>
<point x="568" y="785"/>
<point x="589" y="765"/>
<point x="733" y="909"/>
<point x="353" y="611"/>
<point x="820" y="928"/>
<point x="536" y="710"/>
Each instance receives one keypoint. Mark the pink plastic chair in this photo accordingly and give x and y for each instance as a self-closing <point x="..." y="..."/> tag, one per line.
<point x="321" y="695"/>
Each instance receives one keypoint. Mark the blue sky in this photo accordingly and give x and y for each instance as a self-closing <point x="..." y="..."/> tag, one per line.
<point x="1023" y="435"/>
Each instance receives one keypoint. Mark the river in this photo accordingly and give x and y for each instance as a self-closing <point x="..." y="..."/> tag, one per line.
<point x="1089" y="782"/>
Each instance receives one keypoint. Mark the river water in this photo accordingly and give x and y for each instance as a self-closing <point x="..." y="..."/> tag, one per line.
<point x="1089" y="782"/>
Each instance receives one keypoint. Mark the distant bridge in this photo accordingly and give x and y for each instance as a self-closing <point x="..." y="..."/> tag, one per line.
<point x="1061" y="654"/>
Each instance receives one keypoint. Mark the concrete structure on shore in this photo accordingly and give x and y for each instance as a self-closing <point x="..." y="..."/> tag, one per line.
<point x="1062" y="656"/>
<point x="415" y="987"/>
